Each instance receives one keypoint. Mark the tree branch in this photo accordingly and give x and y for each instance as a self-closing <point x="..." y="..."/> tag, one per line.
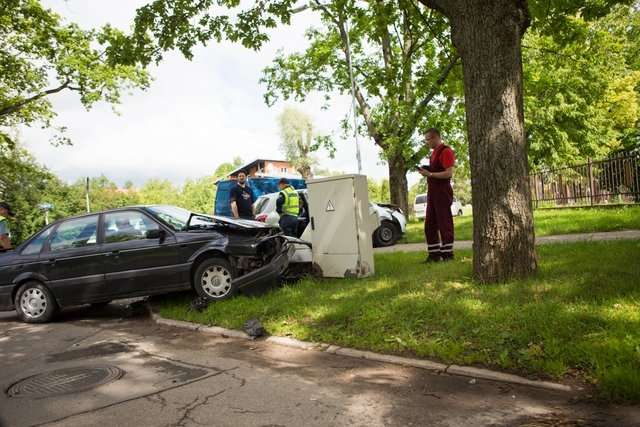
<point x="365" y="110"/>
<point x="400" y="41"/>
<point x="421" y="107"/>
<point x="434" y="90"/>
<point x="13" y="108"/>
<point x="439" y="5"/>
<point x="299" y="9"/>
<point x="428" y="24"/>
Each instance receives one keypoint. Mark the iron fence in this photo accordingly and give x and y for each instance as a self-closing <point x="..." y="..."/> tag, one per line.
<point x="614" y="180"/>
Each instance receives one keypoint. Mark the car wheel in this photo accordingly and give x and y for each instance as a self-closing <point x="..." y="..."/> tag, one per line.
<point x="35" y="303"/>
<point x="386" y="234"/>
<point x="460" y="212"/>
<point x="213" y="279"/>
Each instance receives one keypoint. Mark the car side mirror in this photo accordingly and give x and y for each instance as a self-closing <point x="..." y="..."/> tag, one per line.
<point x="156" y="234"/>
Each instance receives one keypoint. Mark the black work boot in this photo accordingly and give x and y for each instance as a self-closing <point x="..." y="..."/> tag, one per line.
<point x="432" y="258"/>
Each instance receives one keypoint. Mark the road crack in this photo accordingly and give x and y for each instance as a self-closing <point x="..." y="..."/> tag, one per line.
<point x="191" y="407"/>
<point x="158" y="398"/>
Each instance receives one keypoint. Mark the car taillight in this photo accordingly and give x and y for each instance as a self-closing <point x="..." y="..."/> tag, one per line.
<point x="261" y="218"/>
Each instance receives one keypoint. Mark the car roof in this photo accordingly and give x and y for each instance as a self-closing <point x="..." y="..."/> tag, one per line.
<point x="298" y="190"/>
<point x="123" y="208"/>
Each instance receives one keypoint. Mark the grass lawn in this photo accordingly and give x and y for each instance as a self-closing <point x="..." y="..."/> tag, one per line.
<point x="551" y="221"/>
<point x="579" y="316"/>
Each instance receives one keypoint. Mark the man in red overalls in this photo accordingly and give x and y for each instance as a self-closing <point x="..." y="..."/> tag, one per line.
<point x="438" y="223"/>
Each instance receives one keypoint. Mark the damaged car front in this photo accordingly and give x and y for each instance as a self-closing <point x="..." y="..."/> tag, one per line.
<point x="226" y="254"/>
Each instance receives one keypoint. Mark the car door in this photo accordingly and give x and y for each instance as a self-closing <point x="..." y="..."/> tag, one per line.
<point x="72" y="261"/>
<point x="141" y="255"/>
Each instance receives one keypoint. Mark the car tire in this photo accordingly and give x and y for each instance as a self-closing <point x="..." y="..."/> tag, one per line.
<point x="460" y="212"/>
<point x="213" y="279"/>
<point x="386" y="235"/>
<point x="35" y="303"/>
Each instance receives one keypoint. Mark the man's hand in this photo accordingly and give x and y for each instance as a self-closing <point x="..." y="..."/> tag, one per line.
<point x="423" y="172"/>
<point x="446" y="174"/>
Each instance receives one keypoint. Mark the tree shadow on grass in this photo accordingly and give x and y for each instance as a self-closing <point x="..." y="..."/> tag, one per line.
<point x="561" y="321"/>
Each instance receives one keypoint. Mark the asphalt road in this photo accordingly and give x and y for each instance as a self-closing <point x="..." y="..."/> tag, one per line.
<point x="161" y="376"/>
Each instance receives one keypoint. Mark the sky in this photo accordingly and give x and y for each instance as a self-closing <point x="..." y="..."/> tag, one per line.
<point x="196" y="114"/>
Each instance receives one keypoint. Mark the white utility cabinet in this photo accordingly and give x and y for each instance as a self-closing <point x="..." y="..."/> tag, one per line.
<point x="342" y="225"/>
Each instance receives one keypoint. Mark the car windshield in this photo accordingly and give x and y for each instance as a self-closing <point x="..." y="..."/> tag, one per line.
<point x="176" y="217"/>
<point x="421" y="199"/>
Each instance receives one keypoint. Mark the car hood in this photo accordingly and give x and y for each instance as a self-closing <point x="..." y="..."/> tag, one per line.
<point x="242" y="223"/>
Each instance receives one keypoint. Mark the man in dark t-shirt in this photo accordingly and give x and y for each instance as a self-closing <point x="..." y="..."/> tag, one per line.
<point x="241" y="198"/>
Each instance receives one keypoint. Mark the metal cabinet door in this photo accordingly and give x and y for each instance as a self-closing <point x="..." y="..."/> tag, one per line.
<point x="333" y="216"/>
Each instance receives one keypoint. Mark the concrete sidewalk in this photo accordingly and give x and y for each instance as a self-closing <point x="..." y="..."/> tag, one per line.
<point x="544" y="240"/>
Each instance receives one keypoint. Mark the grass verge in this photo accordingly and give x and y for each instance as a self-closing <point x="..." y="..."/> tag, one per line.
<point x="579" y="316"/>
<point x="551" y="221"/>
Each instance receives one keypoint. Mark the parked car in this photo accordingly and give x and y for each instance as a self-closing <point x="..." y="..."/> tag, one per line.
<point x="138" y="251"/>
<point x="420" y="206"/>
<point x="259" y="185"/>
<point x="393" y="223"/>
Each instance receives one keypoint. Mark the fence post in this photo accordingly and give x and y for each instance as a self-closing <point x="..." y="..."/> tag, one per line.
<point x="590" y="167"/>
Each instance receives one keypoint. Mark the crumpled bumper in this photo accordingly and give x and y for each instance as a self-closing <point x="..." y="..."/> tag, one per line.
<point x="269" y="273"/>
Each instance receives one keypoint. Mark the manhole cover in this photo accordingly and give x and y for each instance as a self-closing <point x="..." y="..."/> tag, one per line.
<point x="64" y="381"/>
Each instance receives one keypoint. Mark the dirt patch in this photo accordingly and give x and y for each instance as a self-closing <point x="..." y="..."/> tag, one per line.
<point x="92" y="351"/>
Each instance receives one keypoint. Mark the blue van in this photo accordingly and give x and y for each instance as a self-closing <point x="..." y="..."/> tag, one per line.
<point x="259" y="186"/>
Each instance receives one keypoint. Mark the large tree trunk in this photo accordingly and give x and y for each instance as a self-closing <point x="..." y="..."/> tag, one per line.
<point x="487" y="34"/>
<point x="398" y="186"/>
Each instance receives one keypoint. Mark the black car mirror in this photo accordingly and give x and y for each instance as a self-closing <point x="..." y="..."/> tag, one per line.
<point x="156" y="234"/>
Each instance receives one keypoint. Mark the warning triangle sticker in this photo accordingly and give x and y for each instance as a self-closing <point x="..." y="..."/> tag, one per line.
<point x="330" y="207"/>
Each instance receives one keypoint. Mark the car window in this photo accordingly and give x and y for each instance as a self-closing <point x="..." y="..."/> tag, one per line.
<point x="75" y="233"/>
<point x="35" y="246"/>
<point x="421" y="199"/>
<point x="127" y="225"/>
<point x="176" y="217"/>
<point x="261" y="205"/>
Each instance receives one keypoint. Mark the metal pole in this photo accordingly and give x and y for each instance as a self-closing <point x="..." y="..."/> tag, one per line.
<point x="87" y="195"/>
<point x="590" y="170"/>
<point x="353" y="99"/>
<point x="46" y="217"/>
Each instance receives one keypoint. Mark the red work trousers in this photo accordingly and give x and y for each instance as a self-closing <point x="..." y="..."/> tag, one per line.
<point x="438" y="222"/>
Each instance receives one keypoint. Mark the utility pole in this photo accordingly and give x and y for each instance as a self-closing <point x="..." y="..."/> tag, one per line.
<point x="353" y="99"/>
<point x="87" y="195"/>
<point x="46" y="207"/>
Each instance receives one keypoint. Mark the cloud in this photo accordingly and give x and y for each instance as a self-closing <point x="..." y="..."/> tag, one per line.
<point x="196" y="114"/>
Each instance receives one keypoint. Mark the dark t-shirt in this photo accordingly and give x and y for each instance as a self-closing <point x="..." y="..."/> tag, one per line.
<point x="243" y="196"/>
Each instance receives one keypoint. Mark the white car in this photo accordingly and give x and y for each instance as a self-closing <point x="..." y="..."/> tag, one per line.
<point x="393" y="223"/>
<point x="420" y="206"/>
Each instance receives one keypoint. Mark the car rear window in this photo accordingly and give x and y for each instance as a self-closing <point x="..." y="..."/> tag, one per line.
<point x="261" y="205"/>
<point x="421" y="199"/>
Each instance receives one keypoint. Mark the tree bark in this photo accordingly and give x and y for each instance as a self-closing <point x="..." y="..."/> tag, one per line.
<point x="487" y="34"/>
<point x="398" y="186"/>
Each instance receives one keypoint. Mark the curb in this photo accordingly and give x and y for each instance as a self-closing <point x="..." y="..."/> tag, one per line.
<point x="462" y="371"/>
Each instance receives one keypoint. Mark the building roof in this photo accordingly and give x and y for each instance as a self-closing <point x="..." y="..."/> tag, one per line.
<point x="253" y="163"/>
